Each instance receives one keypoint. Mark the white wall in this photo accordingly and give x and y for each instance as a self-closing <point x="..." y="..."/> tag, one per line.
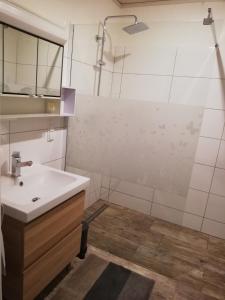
<point x="71" y="11"/>
<point x="30" y="137"/>
<point x="184" y="12"/>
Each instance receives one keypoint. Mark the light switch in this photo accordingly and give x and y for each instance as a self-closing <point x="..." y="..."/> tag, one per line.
<point x="51" y="135"/>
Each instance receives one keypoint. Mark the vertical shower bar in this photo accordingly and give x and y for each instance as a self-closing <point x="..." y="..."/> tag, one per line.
<point x="101" y="60"/>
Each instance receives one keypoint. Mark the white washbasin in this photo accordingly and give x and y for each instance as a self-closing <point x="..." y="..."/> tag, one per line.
<point x="43" y="188"/>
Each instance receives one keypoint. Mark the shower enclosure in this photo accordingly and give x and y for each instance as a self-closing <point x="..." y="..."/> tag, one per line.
<point x="138" y="140"/>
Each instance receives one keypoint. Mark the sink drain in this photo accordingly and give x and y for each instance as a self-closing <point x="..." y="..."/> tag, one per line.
<point x="35" y="199"/>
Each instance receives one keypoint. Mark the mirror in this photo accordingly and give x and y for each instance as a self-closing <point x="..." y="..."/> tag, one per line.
<point x="20" y="62"/>
<point x="49" y="69"/>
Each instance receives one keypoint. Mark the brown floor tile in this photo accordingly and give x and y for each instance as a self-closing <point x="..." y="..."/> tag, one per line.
<point x="214" y="291"/>
<point x="63" y="294"/>
<point x="186" y="264"/>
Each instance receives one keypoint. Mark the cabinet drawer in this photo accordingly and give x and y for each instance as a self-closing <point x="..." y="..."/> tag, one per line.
<point x="39" y="274"/>
<point x="44" y="232"/>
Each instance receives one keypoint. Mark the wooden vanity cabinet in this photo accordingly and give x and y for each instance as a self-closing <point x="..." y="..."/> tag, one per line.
<point x="38" y="251"/>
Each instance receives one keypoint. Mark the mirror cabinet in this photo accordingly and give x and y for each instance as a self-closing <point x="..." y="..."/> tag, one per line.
<point x="30" y="65"/>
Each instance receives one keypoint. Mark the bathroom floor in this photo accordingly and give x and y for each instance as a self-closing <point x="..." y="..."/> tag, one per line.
<point x="185" y="264"/>
<point x="193" y="261"/>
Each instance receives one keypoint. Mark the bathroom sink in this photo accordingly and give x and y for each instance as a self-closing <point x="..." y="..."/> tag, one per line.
<point x="39" y="189"/>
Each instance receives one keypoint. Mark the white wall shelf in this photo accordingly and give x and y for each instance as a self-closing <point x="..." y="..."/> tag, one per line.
<point x="27" y="116"/>
<point x="20" y="107"/>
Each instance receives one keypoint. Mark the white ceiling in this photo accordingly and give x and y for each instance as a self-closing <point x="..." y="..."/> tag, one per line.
<point x="126" y="3"/>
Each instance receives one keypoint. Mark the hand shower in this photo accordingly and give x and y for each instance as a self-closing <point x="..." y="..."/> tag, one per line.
<point x="209" y="20"/>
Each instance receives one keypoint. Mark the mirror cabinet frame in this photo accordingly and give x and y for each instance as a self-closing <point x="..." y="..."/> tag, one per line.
<point x="36" y="76"/>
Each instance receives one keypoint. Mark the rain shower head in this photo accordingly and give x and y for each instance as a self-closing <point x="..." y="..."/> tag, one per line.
<point x="209" y="20"/>
<point x="135" y="28"/>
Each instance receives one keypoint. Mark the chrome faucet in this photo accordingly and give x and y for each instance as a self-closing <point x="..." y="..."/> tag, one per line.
<point x="17" y="164"/>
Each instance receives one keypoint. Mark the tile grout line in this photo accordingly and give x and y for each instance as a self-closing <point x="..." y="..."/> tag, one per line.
<point x="163" y="75"/>
<point x="35" y="130"/>
<point x="214" y="170"/>
<point x="211" y="138"/>
<point x="112" y="81"/>
<point x="153" y="197"/>
<point x="181" y="211"/>
<point x="9" y="146"/>
<point x="121" y="79"/>
<point x="172" y="79"/>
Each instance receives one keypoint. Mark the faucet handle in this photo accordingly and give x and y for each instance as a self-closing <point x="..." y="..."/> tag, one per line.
<point x="16" y="154"/>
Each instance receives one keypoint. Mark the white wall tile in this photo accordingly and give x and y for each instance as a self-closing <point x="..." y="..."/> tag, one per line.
<point x="57" y="122"/>
<point x="149" y="60"/>
<point x="189" y="91"/>
<point x="26" y="49"/>
<point x="95" y="182"/>
<point x="223" y="137"/>
<point x="4" y="126"/>
<point x="130" y="202"/>
<point x="66" y="72"/>
<point x="57" y="148"/>
<point x="133" y="189"/>
<point x="10" y="48"/>
<point x="105" y="181"/>
<point x="85" y="46"/>
<point x="217" y="61"/>
<point x="207" y="151"/>
<point x="191" y="221"/>
<point x="106" y="84"/>
<point x="83" y="78"/>
<point x="213" y="123"/>
<point x="35" y="146"/>
<point x="57" y="164"/>
<point x="194" y="61"/>
<point x="218" y="186"/>
<point x="169" y="199"/>
<point x="167" y="214"/>
<point x="31" y="145"/>
<point x="116" y="85"/>
<point x="216" y="94"/>
<point x="216" y="208"/>
<point x="214" y="228"/>
<point x="55" y="53"/>
<point x="76" y="171"/>
<point x="176" y="216"/>
<point x="4" y="161"/>
<point x="23" y="125"/>
<point x="26" y="75"/>
<point x="119" y="55"/>
<point x="199" y="91"/>
<point x="196" y="202"/>
<point x="221" y="157"/>
<point x="201" y="177"/>
<point x="10" y="77"/>
<point x="90" y="199"/>
<point x="145" y="87"/>
<point x="104" y="194"/>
